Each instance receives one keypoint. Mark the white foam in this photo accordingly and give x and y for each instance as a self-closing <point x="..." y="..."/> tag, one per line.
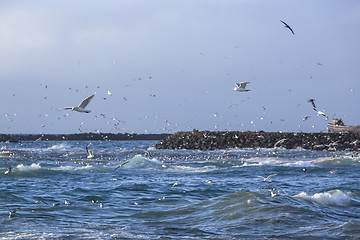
<point x="33" y="166"/>
<point x="333" y="198"/>
<point x="275" y="161"/>
<point x="60" y="146"/>
<point x="196" y="169"/>
<point x="71" y="168"/>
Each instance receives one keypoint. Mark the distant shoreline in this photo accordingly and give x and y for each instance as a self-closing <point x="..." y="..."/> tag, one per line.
<point x="80" y="136"/>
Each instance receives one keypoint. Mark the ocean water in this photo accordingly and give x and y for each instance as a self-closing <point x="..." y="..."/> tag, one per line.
<point x="176" y="194"/>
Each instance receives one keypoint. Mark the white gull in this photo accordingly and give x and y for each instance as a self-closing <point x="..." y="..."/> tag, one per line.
<point x="82" y="105"/>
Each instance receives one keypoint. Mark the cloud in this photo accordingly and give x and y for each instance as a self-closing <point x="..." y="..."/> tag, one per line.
<point x="21" y="30"/>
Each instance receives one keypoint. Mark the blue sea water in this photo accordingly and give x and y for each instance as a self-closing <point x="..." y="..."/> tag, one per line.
<point x="176" y="194"/>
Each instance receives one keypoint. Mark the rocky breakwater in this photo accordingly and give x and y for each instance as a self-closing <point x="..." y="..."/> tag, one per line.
<point x="206" y="140"/>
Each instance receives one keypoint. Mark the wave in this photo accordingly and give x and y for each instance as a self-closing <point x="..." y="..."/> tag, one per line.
<point x="202" y="169"/>
<point x="332" y="198"/>
<point x="71" y="168"/>
<point x="347" y="159"/>
<point x="274" y="161"/>
<point x="138" y="161"/>
<point x="33" y="166"/>
<point x="57" y="147"/>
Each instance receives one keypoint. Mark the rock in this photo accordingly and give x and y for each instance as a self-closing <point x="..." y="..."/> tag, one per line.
<point x="206" y="140"/>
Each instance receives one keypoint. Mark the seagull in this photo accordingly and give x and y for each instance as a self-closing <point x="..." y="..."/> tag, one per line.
<point x="273" y="193"/>
<point x="7" y="172"/>
<point x="12" y="212"/>
<point x="305" y="118"/>
<point x="121" y="165"/>
<point x="176" y="183"/>
<point x="90" y="154"/>
<point x="240" y="87"/>
<point x="321" y="113"/>
<point x="287" y="26"/>
<point x="312" y="102"/>
<point x="81" y="107"/>
<point x="267" y="179"/>
<point x="333" y="172"/>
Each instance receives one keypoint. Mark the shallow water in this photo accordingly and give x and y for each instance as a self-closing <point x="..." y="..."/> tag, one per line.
<point x="176" y="194"/>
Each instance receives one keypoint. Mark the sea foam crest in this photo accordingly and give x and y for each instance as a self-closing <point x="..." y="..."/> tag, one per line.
<point x="60" y="146"/>
<point x="142" y="162"/>
<point x="333" y="197"/>
<point x="273" y="161"/>
<point x="33" y="166"/>
<point x="71" y="168"/>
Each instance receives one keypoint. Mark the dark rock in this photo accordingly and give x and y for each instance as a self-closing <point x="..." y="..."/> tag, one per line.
<point x="205" y="140"/>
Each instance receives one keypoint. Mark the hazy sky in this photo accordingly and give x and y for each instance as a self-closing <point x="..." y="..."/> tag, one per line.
<point x="171" y="65"/>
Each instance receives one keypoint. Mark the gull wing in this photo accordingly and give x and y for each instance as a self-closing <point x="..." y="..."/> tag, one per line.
<point x="312" y="101"/>
<point x="271" y="175"/>
<point x="86" y="101"/>
<point x="243" y="84"/>
<point x="287" y="26"/>
<point x="88" y="151"/>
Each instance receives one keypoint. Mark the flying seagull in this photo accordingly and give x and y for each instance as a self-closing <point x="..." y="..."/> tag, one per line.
<point x="12" y="212"/>
<point x="81" y="107"/>
<point x="7" y="172"/>
<point x="273" y="193"/>
<point x="240" y="87"/>
<point x="305" y="118"/>
<point x="320" y="113"/>
<point x="90" y="154"/>
<point x="267" y="179"/>
<point x="287" y="26"/>
<point x="312" y="101"/>
<point x="121" y="165"/>
<point x="176" y="183"/>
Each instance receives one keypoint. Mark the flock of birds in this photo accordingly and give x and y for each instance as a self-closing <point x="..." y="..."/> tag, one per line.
<point x="240" y="87"/>
<point x="81" y="108"/>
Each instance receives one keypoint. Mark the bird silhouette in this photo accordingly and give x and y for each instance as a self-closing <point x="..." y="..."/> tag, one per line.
<point x="312" y="101"/>
<point x="287" y="26"/>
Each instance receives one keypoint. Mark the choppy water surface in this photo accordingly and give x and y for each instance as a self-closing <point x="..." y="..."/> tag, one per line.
<point x="176" y="194"/>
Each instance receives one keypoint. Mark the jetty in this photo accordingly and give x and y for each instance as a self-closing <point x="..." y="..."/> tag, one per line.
<point x="209" y="140"/>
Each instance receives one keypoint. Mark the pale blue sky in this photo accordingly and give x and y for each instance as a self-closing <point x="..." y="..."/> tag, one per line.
<point x="53" y="54"/>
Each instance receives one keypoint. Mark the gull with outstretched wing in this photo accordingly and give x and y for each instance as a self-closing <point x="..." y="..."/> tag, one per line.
<point x="82" y="105"/>
<point x="240" y="87"/>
